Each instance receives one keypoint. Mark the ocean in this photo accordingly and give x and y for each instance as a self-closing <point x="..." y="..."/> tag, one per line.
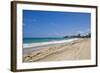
<point x="30" y="44"/>
<point x="40" y="40"/>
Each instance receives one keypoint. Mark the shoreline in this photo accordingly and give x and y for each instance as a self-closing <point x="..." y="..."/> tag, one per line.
<point x="56" y="52"/>
<point x="27" y="48"/>
<point x="48" y="43"/>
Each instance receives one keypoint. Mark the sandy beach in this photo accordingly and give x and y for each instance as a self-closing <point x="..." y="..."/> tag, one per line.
<point x="75" y="50"/>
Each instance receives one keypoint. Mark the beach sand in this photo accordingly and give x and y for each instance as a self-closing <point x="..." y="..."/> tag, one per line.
<point x="76" y="50"/>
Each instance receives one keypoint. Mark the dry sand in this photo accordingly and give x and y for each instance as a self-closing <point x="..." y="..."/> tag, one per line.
<point x="76" y="50"/>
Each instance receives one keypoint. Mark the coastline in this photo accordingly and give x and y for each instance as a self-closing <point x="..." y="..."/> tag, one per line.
<point x="27" y="48"/>
<point x="63" y="50"/>
<point x="48" y="43"/>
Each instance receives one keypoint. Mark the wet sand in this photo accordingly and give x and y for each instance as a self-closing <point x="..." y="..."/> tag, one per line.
<point x="75" y="50"/>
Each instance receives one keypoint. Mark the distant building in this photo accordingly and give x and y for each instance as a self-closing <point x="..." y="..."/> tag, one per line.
<point x="85" y="35"/>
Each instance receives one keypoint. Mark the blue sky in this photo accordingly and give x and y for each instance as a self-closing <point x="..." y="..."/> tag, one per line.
<point x="54" y="24"/>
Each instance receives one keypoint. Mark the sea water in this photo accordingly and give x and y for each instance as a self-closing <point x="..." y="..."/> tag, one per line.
<point x="36" y="42"/>
<point x="39" y="40"/>
<point x="32" y="44"/>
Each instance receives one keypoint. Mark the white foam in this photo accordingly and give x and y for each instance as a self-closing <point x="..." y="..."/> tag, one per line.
<point x="48" y="43"/>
